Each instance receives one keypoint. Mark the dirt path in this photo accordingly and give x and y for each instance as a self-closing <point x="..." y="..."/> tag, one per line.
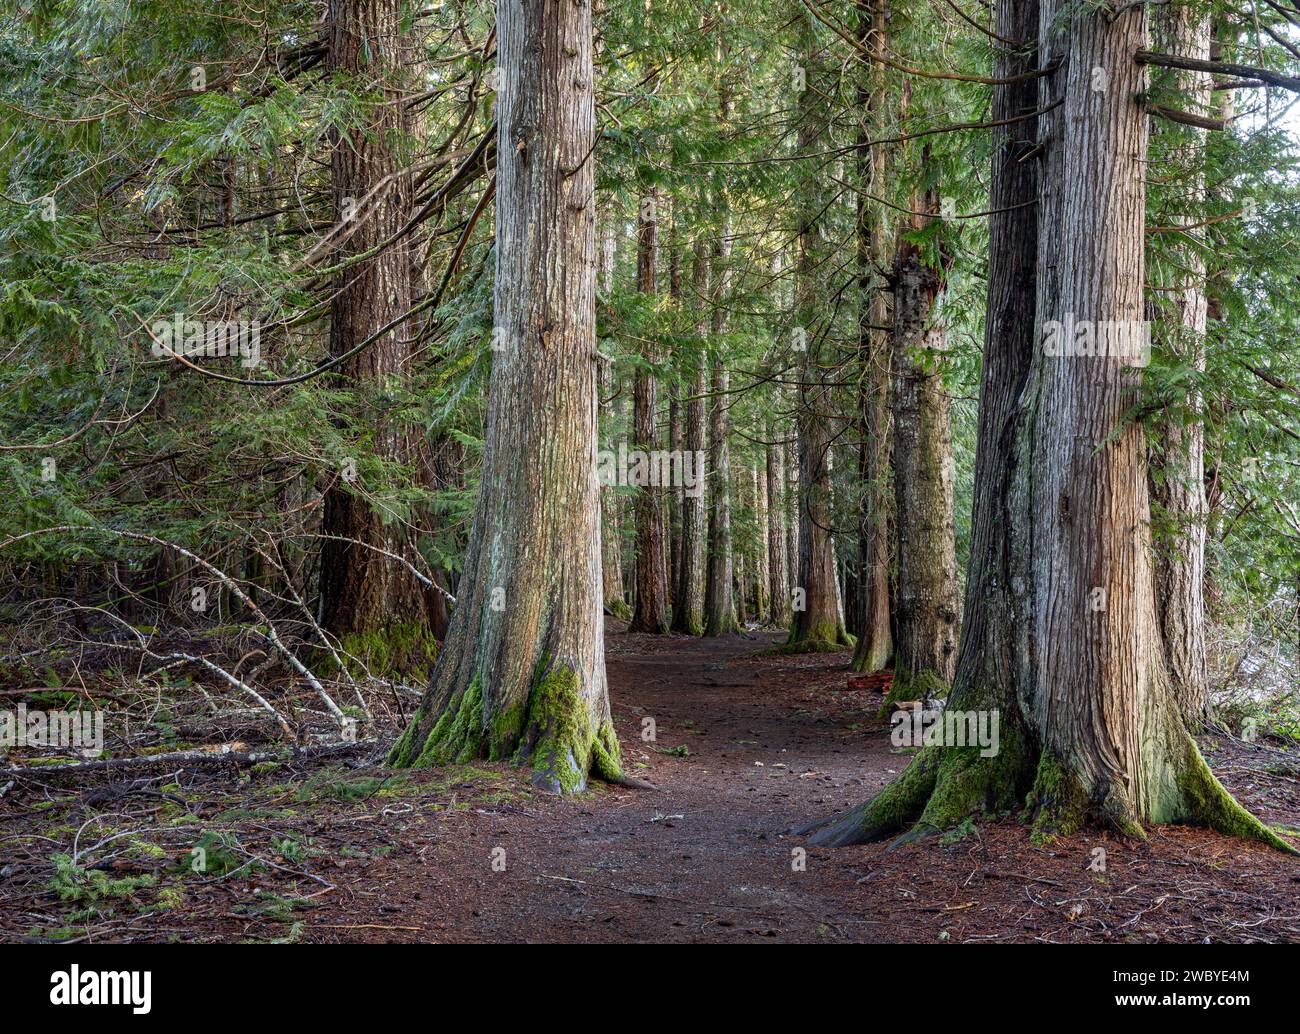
<point x="772" y="742"/>
<point x="747" y="746"/>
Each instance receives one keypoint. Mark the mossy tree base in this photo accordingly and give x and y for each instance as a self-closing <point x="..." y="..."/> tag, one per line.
<point x="868" y="662"/>
<point x="823" y="638"/>
<point x="552" y="732"/>
<point x="943" y="786"/>
<point x="908" y="686"/>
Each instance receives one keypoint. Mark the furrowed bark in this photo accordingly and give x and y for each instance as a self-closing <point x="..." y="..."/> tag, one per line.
<point x="363" y="593"/>
<point x="611" y="541"/>
<point x="1179" y="491"/>
<point x="778" y="562"/>
<point x="522" y="674"/>
<point x="719" y="597"/>
<point x="875" y="647"/>
<point x="818" y="621"/>
<point x="650" y="612"/>
<point x="1092" y="726"/>
<point x="926" y="650"/>
<point x="688" y="600"/>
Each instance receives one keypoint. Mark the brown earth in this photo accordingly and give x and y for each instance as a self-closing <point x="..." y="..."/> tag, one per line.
<point x="770" y="742"/>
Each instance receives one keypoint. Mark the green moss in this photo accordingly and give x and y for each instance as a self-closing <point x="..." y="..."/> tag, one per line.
<point x="1207" y="803"/>
<point x="969" y="784"/>
<point x="561" y="734"/>
<point x="400" y="756"/>
<point x="406" y="651"/>
<point x="1057" y="803"/>
<point x="619" y="609"/>
<point x="908" y="685"/>
<point x="606" y="757"/>
<point x="891" y="810"/>
<point x="169" y="897"/>
<point x="874" y="660"/>
<point x="551" y="729"/>
<point x="507" y="727"/>
<point x="827" y="637"/>
<point x="457" y="736"/>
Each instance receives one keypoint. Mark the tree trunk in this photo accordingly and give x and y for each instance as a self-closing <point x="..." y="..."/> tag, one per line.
<point x="1179" y="494"/>
<point x="611" y="540"/>
<point x="926" y="623"/>
<point x="763" y="559"/>
<point x="1063" y="639"/>
<point x="818" y="622"/>
<point x="675" y="491"/>
<point x="778" y="558"/>
<point x="688" y="600"/>
<point x="719" y="600"/>
<point x="363" y="592"/>
<point x="875" y="646"/>
<point x="650" y="613"/>
<point x="522" y="674"/>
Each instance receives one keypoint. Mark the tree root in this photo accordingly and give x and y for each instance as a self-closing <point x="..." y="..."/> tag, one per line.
<point x="888" y="812"/>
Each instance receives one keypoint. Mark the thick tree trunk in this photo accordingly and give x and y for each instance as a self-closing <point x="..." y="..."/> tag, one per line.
<point x="650" y="613"/>
<point x="791" y="452"/>
<point x="1179" y="493"/>
<point x="611" y="536"/>
<point x="875" y="647"/>
<point x="926" y="623"/>
<point x="522" y="674"/>
<point x="1064" y="641"/>
<point x="688" y="599"/>
<point x="363" y="592"/>
<point x="818" y="622"/>
<point x="676" y="491"/>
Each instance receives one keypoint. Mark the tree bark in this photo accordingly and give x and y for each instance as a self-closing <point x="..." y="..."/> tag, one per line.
<point x="1068" y="646"/>
<point x="778" y="558"/>
<point x="363" y="592"/>
<point x="611" y="540"/>
<point x="522" y="674"/>
<point x="688" y="600"/>
<point x="1179" y="493"/>
<point x="818" y="622"/>
<point x="719" y="598"/>
<point x="926" y="622"/>
<point x="650" y="613"/>
<point x="875" y="647"/>
<point x="762" y="555"/>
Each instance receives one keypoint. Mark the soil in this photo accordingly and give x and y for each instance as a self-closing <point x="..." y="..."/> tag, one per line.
<point x="746" y="746"/>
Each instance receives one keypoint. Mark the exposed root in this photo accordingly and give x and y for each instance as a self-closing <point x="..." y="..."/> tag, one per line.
<point x="1209" y="804"/>
<point x="895" y="807"/>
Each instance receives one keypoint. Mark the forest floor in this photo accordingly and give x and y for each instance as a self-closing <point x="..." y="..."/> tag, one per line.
<point x="749" y="745"/>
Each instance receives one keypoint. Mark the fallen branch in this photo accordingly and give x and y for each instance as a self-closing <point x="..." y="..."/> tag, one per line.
<point x="188" y="758"/>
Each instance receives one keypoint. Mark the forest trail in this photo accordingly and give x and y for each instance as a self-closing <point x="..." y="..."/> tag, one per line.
<point x="704" y="856"/>
<point x="771" y="743"/>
